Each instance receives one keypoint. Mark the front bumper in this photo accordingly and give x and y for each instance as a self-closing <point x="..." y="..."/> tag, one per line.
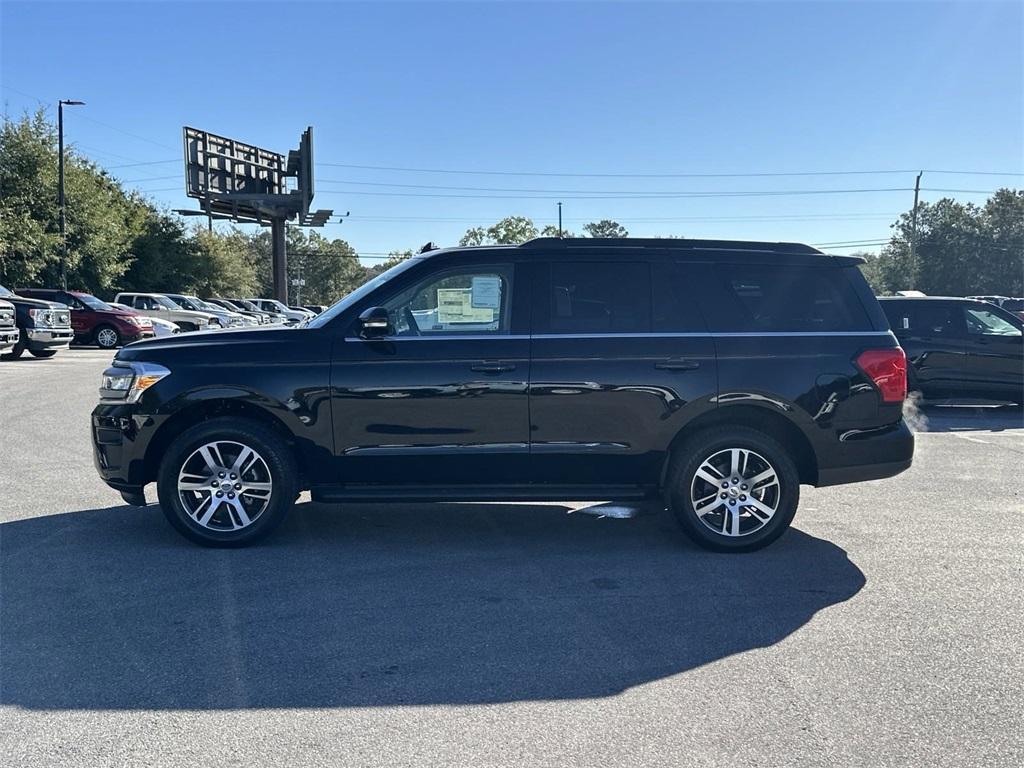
<point x="47" y="338"/>
<point x="870" y="454"/>
<point x="120" y="438"/>
<point x="9" y="337"/>
<point x="137" y="334"/>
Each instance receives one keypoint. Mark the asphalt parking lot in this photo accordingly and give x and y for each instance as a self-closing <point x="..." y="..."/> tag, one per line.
<point x="884" y="629"/>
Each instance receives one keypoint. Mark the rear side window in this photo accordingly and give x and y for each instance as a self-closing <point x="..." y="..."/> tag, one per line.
<point x="924" y="318"/>
<point x="774" y="298"/>
<point x="598" y="297"/>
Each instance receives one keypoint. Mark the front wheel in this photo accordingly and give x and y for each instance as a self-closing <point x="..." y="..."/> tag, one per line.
<point x="16" y="351"/>
<point x="733" y="489"/>
<point x="42" y="353"/>
<point x="227" y="482"/>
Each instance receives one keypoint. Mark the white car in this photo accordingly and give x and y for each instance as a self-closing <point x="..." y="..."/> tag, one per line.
<point x="158" y="305"/>
<point x="160" y="327"/>
<point x="276" y="307"/>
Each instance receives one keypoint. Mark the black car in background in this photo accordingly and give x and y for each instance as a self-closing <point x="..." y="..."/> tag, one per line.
<point x="716" y="376"/>
<point x="959" y="348"/>
<point x="45" y="326"/>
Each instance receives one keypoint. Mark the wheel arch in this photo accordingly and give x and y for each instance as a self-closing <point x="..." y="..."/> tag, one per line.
<point x="202" y="410"/>
<point x="763" y="419"/>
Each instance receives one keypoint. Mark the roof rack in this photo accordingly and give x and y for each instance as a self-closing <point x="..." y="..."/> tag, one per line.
<point x="667" y="243"/>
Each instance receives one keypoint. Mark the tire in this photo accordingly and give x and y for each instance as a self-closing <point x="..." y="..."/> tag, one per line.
<point x="727" y="524"/>
<point x="224" y="524"/>
<point x="107" y="337"/>
<point x="42" y="353"/>
<point x="186" y="327"/>
<point x="16" y="351"/>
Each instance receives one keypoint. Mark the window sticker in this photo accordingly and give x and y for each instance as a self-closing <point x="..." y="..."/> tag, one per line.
<point x="455" y="305"/>
<point x="486" y="292"/>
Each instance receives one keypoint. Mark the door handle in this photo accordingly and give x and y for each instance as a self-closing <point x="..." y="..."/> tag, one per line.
<point x="677" y="365"/>
<point x="493" y="367"/>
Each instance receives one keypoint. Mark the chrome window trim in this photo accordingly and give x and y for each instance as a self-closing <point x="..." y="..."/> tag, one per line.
<point x="705" y="335"/>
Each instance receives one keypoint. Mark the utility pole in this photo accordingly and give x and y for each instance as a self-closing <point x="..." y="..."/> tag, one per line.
<point x="60" y="188"/>
<point x="913" y="218"/>
<point x="559" y="220"/>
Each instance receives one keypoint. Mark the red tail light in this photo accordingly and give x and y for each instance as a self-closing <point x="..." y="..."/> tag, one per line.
<point x="887" y="368"/>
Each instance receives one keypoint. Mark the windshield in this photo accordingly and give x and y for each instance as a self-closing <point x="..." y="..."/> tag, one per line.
<point x="5" y="292"/>
<point x="92" y="302"/>
<point x="206" y="305"/>
<point x="166" y="303"/>
<point x="1013" y="305"/>
<point x="342" y="304"/>
<point x="185" y="302"/>
<point x="246" y="305"/>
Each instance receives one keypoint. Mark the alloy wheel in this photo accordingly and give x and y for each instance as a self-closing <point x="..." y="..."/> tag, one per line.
<point x="224" y="486"/>
<point x="735" y="492"/>
<point x="107" y="338"/>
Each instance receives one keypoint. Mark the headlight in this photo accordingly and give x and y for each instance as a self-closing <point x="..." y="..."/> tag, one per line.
<point x="127" y="381"/>
<point x="202" y="322"/>
<point x="41" y="318"/>
<point x="235" y="321"/>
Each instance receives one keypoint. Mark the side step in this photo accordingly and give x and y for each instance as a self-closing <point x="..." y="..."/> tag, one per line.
<point x="534" y="492"/>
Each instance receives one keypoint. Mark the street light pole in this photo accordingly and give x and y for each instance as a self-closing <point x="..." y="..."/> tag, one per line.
<point x="559" y="219"/>
<point x="60" y="186"/>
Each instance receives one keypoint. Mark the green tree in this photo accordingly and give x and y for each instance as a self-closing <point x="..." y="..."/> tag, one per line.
<point x="605" y="228"/>
<point x="961" y="249"/>
<point x="330" y="268"/>
<point x="511" y="230"/>
<point x="102" y="220"/>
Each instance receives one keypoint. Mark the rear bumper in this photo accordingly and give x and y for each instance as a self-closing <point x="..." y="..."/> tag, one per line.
<point x="870" y="454"/>
<point x="50" y="338"/>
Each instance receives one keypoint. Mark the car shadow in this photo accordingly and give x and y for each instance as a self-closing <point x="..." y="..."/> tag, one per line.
<point x="962" y="417"/>
<point x="386" y="605"/>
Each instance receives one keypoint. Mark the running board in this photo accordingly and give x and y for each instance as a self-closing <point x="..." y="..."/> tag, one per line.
<point x="535" y="492"/>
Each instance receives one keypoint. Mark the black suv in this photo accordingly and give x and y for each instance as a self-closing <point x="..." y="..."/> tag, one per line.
<point x="959" y="348"/>
<point x="717" y="376"/>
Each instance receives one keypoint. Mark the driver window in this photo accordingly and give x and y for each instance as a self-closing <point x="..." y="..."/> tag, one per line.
<point x="458" y="301"/>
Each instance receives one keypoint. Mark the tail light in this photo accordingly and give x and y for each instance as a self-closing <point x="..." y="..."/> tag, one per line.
<point x="887" y="368"/>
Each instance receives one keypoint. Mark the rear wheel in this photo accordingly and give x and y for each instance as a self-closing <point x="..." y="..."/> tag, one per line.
<point x="43" y="353"/>
<point x="107" y="337"/>
<point x="734" y="489"/>
<point x="227" y="482"/>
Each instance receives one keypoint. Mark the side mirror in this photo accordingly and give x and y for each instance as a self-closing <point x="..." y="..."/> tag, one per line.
<point x="374" y="323"/>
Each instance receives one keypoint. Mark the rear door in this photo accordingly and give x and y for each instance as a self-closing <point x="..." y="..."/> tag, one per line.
<point x="933" y="335"/>
<point x="620" y="360"/>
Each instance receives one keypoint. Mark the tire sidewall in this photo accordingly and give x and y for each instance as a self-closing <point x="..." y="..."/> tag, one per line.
<point x="701" y="447"/>
<point x="264" y="441"/>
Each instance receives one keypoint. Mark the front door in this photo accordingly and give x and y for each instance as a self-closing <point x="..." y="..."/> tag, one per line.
<point x="993" y="353"/>
<point x="932" y="333"/>
<point x="442" y="398"/>
<point x="620" y="360"/>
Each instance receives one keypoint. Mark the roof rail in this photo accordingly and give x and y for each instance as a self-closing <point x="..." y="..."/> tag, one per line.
<point x="668" y="243"/>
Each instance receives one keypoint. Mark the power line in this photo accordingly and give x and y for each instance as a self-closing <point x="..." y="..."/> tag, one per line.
<point x="467" y="172"/>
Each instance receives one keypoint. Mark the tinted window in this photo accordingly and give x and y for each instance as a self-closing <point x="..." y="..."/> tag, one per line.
<point x="598" y="297"/>
<point x="981" y="322"/>
<point x="673" y="288"/>
<point x="923" y="318"/>
<point x="774" y="298"/>
<point x="462" y="300"/>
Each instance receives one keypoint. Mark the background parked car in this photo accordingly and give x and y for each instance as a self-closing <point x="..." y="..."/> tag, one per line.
<point x="259" y="318"/>
<point x="959" y="348"/>
<point x="316" y="309"/>
<point x="158" y="305"/>
<point x="45" y="326"/>
<point x="274" y="306"/>
<point x="95" y="321"/>
<point x="9" y="333"/>
<point x="1009" y="303"/>
<point x="272" y="317"/>
<point x="225" y="317"/>
<point x="161" y="328"/>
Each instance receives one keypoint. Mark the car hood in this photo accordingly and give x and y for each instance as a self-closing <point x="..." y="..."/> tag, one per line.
<point x="22" y="301"/>
<point x="227" y="343"/>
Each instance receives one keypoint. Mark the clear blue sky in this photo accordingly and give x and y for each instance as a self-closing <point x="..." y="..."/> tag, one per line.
<point x="574" y="88"/>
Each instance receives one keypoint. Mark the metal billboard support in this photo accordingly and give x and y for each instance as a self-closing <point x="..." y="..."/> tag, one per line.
<point x="278" y="228"/>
